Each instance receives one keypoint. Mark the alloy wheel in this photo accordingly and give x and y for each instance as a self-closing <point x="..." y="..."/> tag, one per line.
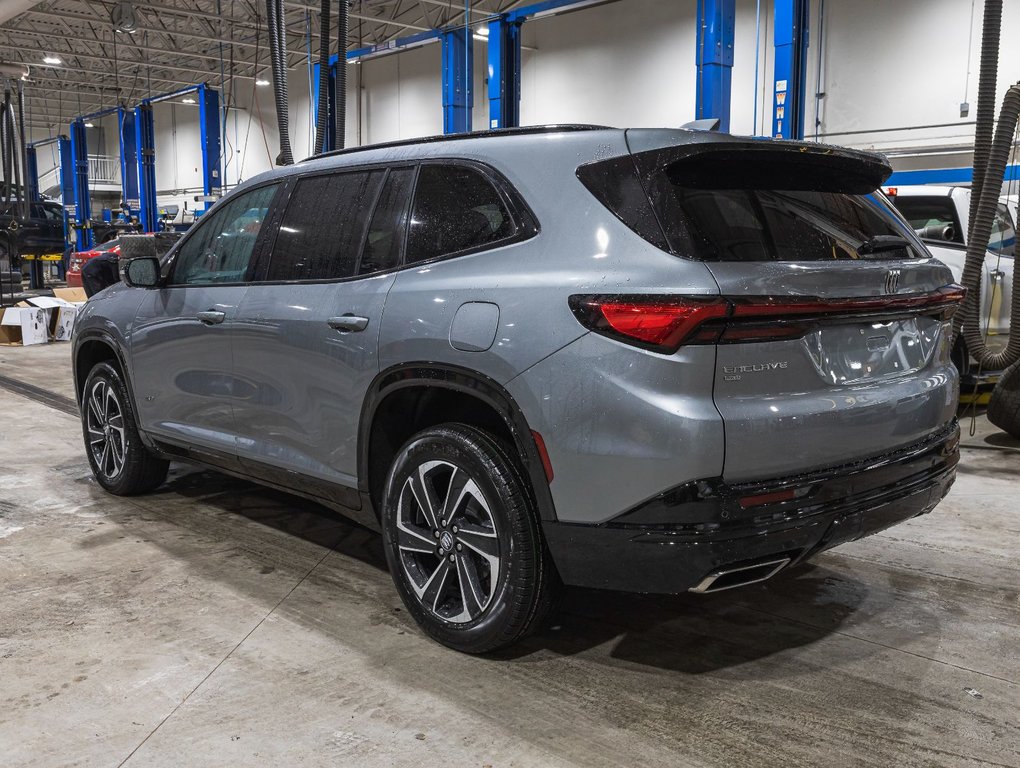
<point x="104" y="421"/>
<point x="448" y="542"/>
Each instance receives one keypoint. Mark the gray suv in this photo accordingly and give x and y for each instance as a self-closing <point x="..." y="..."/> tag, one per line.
<point x="648" y="360"/>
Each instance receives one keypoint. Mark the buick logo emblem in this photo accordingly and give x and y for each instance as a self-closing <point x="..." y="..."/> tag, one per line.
<point x="892" y="281"/>
<point x="446" y="541"/>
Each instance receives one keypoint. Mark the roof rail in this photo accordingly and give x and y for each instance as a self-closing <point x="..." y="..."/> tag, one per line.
<point x="528" y="130"/>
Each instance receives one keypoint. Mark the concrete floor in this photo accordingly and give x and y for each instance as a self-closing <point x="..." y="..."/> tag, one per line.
<point x="215" y="623"/>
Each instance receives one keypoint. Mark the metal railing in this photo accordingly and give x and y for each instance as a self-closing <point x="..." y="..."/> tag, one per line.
<point x="104" y="168"/>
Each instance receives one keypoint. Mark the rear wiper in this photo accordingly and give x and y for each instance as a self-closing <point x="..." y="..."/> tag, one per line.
<point x="881" y="243"/>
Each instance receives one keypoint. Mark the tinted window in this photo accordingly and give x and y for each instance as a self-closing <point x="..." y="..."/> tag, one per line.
<point x="762" y="225"/>
<point x="930" y="215"/>
<point x="53" y="212"/>
<point x="386" y="232"/>
<point x="455" y="209"/>
<point x="322" y="231"/>
<point x="1003" y="239"/>
<point x="220" y="248"/>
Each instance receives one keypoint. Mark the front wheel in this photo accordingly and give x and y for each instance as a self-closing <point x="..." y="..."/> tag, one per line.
<point x="463" y="542"/>
<point x="1004" y="406"/>
<point x="120" y="461"/>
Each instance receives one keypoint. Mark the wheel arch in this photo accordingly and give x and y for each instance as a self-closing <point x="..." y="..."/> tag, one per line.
<point x="456" y="394"/>
<point x="95" y="347"/>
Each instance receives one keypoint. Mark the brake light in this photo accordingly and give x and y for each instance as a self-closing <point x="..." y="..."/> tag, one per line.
<point x="661" y="323"/>
<point x="664" y="323"/>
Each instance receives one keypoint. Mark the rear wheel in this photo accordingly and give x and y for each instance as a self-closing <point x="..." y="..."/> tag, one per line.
<point x="1004" y="406"/>
<point x="120" y="461"/>
<point x="463" y="542"/>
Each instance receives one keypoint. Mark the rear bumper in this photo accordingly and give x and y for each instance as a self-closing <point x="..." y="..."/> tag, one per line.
<point x="681" y="539"/>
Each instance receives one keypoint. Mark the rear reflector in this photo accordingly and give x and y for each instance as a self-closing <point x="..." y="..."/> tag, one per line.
<point x="664" y="323"/>
<point x="767" y="498"/>
<point x="543" y="454"/>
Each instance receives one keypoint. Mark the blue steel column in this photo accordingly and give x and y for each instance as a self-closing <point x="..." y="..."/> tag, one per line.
<point x="209" y="132"/>
<point x="66" y="181"/>
<point x="458" y="52"/>
<point x="504" y="73"/>
<point x="791" y="38"/>
<point x="128" y="159"/>
<point x="82" y="203"/>
<point x="716" y="20"/>
<point x="145" y="149"/>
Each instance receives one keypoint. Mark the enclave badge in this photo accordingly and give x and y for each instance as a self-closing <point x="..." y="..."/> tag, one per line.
<point x="892" y="281"/>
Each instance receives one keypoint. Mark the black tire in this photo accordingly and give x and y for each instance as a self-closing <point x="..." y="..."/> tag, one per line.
<point x="1004" y="405"/>
<point x="491" y="515"/>
<point x="110" y="431"/>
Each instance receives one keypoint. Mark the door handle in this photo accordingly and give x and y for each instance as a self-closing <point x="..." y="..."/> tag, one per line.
<point x="212" y="316"/>
<point x="346" y="323"/>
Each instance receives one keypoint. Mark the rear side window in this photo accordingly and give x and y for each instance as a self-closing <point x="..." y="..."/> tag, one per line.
<point x="386" y="231"/>
<point x="456" y="208"/>
<point x="324" y="226"/>
<point x="1003" y="239"/>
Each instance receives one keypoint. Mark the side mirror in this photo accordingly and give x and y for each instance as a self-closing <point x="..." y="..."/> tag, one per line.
<point x="142" y="272"/>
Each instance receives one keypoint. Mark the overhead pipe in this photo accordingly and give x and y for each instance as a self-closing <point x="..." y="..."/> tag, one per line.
<point x="322" y="111"/>
<point x="278" y="54"/>
<point x="340" y="108"/>
<point x="985" y="116"/>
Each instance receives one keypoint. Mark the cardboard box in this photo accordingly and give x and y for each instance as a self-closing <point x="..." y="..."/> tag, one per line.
<point x="24" y="326"/>
<point x="71" y="295"/>
<point x="60" y="315"/>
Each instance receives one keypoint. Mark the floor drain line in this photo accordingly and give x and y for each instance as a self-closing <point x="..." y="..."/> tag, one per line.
<point x="40" y="395"/>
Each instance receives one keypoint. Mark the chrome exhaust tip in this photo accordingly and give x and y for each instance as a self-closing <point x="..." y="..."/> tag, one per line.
<point x="728" y="578"/>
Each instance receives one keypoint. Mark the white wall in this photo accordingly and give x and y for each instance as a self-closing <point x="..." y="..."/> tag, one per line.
<point x="884" y="65"/>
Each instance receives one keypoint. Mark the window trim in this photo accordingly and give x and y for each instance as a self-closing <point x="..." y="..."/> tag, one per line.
<point x="170" y="265"/>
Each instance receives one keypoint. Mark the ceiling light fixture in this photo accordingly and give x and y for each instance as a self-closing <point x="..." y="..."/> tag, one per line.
<point x="122" y="15"/>
<point x="90" y="125"/>
<point x="51" y="59"/>
<point x="260" y="81"/>
<point x="187" y="100"/>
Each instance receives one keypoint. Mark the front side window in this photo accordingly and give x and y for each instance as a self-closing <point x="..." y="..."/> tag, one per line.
<point x="324" y="226"/>
<point x="456" y="209"/>
<point x="220" y="249"/>
<point x="1003" y="239"/>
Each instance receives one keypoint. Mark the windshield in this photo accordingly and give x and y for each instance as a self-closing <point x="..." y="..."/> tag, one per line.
<point x="107" y="246"/>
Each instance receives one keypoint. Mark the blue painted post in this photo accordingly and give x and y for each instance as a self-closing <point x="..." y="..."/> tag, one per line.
<point x="145" y="150"/>
<point x="504" y="73"/>
<point x="458" y="50"/>
<point x="716" y="21"/>
<point x="209" y="130"/>
<point x="791" y="40"/>
<point x="66" y="183"/>
<point x="128" y="159"/>
<point x="82" y="203"/>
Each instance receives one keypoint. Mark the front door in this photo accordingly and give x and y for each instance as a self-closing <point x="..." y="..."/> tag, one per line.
<point x="180" y="346"/>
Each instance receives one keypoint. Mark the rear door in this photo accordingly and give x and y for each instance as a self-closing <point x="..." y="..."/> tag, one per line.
<point x="836" y="342"/>
<point x="182" y="362"/>
<point x="309" y="328"/>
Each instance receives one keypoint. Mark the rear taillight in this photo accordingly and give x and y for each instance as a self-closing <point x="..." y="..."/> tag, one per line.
<point x="664" y="323"/>
<point x="661" y="323"/>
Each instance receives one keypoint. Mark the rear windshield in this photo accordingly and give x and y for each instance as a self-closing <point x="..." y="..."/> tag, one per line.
<point x="746" y="206"/>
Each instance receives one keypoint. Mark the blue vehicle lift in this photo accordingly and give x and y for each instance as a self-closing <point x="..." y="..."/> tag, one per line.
<point x="66" y="180"/>
<point x="716" y="22"/>
<point x="504" y="64"/>
<point x="145" y="149"/>
<point x="791" y="42"/>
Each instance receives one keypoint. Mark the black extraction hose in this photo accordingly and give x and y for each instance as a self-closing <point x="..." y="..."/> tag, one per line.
<point x="985" y="116"/>
<point x="980" y="233"/>
<point x="278" y="55"/>
<point x="322" y="111"/>
<point x="12" y="150"/>
<point x="5" y="144"/>
<point x="24" y="148"/>
<point x="343" y="31"/>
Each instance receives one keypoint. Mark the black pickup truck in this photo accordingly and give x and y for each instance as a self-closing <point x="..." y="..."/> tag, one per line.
<point x="42" y="233"/>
